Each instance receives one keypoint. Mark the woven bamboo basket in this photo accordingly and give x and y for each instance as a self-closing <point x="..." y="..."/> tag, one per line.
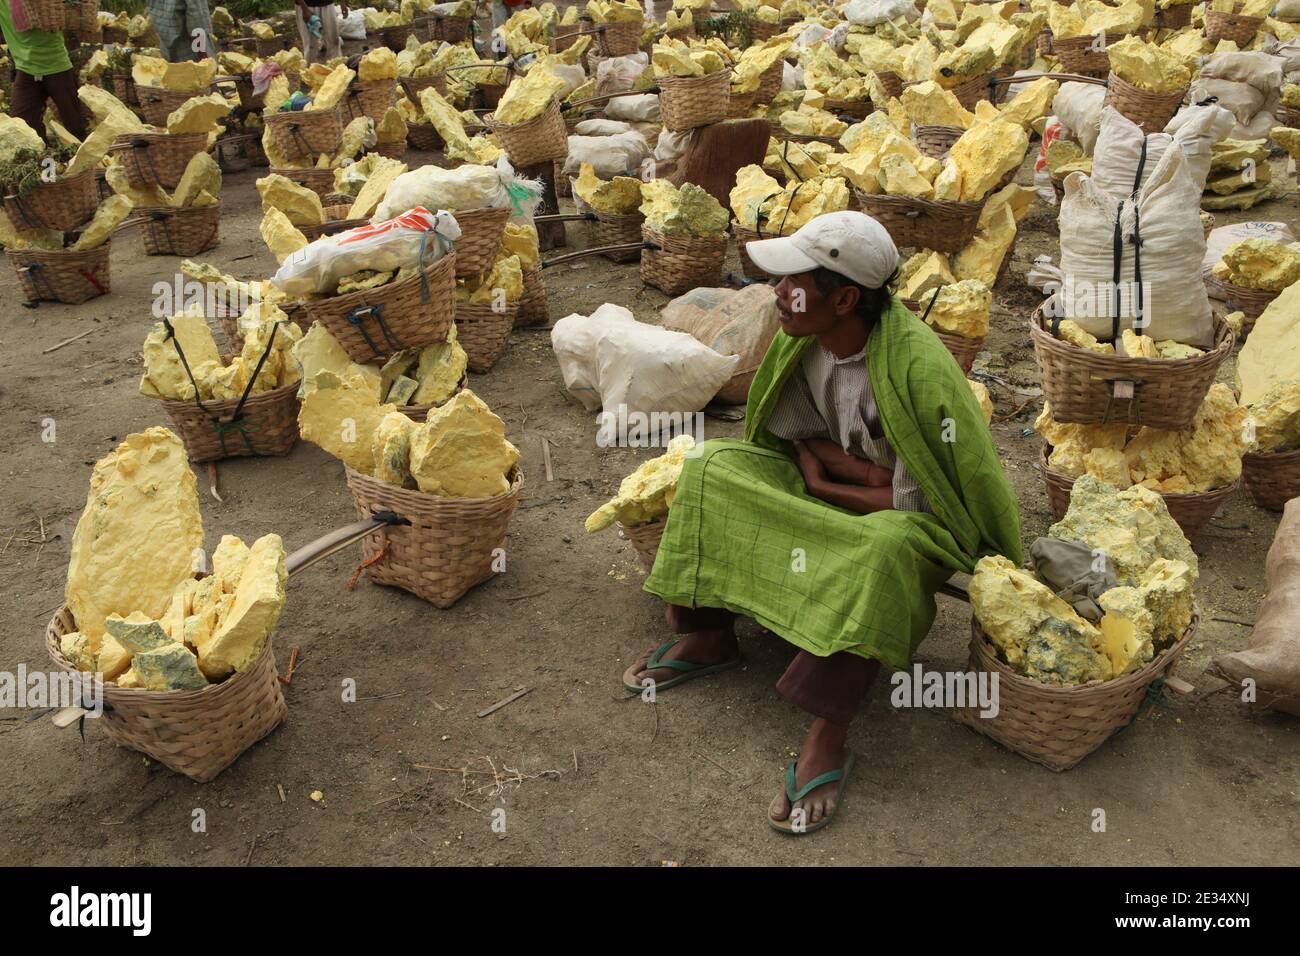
<point x="123" y="87"/>
<point x="45" y="14"/>
<point x="196" y="733"/>
<point x="974" y="90"/>
<point x="769" y="83"/>
<point x="563" y="183"/>
<point x="389" y="150"/>
<point x="157" y="159"/>
<point x="489" y="95"/>
<point x="1272" y="478"/>
<point x="267" y="425"/>
<point x="307" y="132"/>
<point x="1078" y="56"/>
<point x="621" y="38"/>
<point x="63" y="205"/>
<point x="533" y="308"/>
<point x="481" y="232"/>
<point x="484" y="332"/>
<point x="319" y="181"/>
<point x="83" y="16"/>
<point x="374" y="323"/>
<point x="1288" y="116"/>
<point x="419" y="413"/>
<point x="1190" y="511"/>
<point x="447" y="548"/>
<point x="395" y="37"/>
<point x="740" y="105"/>
<point x="269" y="46"/>
<point x="180" y="232"/>
<point x="761" y="32"/>
<point x="1151" y="111"/>
<point x="891" y="81"/>
<point x="689" y="102"/>
<point x="612" y="230"/>
<point x="62" y="275"/>
<point x="336" y="220"/>
<point x="935" y="141"/>
<point x="1231" y="26"/>
<point x="1082" y="385"/>
<point x="412" y="85"/>
<point x="115" y="35"/>
<point x="539" y="140"/>
<point x="857" y="109"/>
<point x="681" y="263"/>
<point x="645" y="539"/>
<point x="941" y="225"/>
<point x="1057" y="726"/>
<point x="156" y="103"/>
<point x="1240" y="298"/>
<point x="1043" y="42"/>
<point x="744" y="236"/>
<point x="450" y="29"/>
<point x="423" y="136"/>
<point x="371" y="99"/>
<point x="964" y="350"/>
<point x="231" y="151"/>
<point x="1174" y="18"/>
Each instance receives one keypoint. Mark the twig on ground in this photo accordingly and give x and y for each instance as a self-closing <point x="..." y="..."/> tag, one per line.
<point x="501" y="703"/>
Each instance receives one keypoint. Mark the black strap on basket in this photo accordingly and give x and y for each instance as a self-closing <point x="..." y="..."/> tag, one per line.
<point x="35" y="272"/>
<point x="356" y="317"/>
<point x="141" y="145"/>
<point x="236" y="421"/>
<point x="930" y="305"/>
<point x="157" y="225"/>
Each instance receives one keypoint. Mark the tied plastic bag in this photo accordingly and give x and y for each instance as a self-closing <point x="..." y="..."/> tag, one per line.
<point x="610" y="156"/>
<point x="611" y="361"/>
<point x="464" y="188"/>
<point x="353" y="26"/>
<point x="417" y="235"/>
<point x="1078" y="107"/>
<point x="634" y="109"/>
<point x="1042" y="176"/>
<point x="619" y="73"/>
<point x="731" y="322"/>
<point x="1119" y="148"/>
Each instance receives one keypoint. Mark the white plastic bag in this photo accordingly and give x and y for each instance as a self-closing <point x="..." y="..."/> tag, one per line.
<point x="673" y="146"/>
<point x="381" y="246"/>
<point x="573" y="339"/>
<point x="791" y="77"/>
<point x="466" y="187"/>
<point x="1119" y="146"/>
<point x="1078" y="106"/>
<point x="634" y="109"/>
<point x="872" y="12"/>
<point x="618" y="73"/>
<point x="602" y="127"/>
<point x="353" y="26"/>
<point x="737" y="322"/>
<point x="610" y="156"/>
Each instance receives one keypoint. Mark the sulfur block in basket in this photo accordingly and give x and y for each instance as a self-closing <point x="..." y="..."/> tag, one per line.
<point x="341" y="416"/>
<point x="238" y="640"/>
<point x="962" y="308"/>
<point x="461" y="450"/>
<point x="171" y="667"/>
<point x="1127" y="629"/>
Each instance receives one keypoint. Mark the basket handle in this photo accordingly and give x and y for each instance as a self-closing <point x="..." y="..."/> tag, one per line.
<point x="566" y="217"/>
<point x="598" y="250"/>
<point x="338" y="539"/>
<point x="565" y="107"/>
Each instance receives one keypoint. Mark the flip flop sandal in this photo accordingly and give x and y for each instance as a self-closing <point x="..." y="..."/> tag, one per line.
<point x="689" y="670"/>
<point x="794" y="796"/>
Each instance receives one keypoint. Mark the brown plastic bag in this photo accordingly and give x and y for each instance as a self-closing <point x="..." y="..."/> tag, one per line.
<point x="1272" y="656"/>
<point x="731" y="322"/>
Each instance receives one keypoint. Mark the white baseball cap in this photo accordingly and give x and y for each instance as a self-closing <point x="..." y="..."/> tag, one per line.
<point x="850" y="243"/>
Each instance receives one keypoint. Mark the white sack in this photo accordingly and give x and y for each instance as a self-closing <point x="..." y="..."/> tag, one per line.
<point x="618" y="73"/>
<point x="1223" y="236"/>
<point x="872" y="12"/>
<point x="610" y="156"/>
<point x="1194" y="130"/>
<point x="1078" y="106"/>
<point x="634" y="109"/>
<point x="573" y="339"/>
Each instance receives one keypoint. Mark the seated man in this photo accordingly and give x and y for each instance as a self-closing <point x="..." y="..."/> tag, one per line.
<point x="866" y="478"/>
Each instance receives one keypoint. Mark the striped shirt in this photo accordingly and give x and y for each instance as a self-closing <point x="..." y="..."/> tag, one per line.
<point x="829" y="397"/>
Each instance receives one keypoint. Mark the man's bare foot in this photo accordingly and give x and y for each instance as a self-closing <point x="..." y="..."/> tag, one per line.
<point x="701" y="647"/>
<point x="823" y="750"/>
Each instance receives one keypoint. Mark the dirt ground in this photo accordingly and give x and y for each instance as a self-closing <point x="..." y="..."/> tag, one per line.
<point x="598" y="778"/>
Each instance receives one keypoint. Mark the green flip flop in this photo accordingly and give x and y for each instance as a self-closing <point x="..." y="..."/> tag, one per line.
<point x="794" y="796"/>
<point x="689" y="670"/>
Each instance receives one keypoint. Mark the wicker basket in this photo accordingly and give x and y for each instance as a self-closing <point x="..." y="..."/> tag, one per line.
<point x="1078" y="56"/>
<point x="533" y="308"/>
<point x="45" y="14"/>
<point x="681" y="263"/>
<point x="412" y="85"/>
<point x="964" y="350"/>
<point x="335" y="221"/>
<point x="1081" y="385"/>
<point x="1231" y="26"/>
<point x="935" y="141"/>
<point x="892" y="82"/>
<point x="858" y="110"/>
<point x="1058" y="726"/>
<point x="267" y="425"/>
<point x="419" y="413"/>
<point x="395" y="37"/>
<point x="693" y="101"/>
<point x="941" y="225"/>
<point x="1151" y="111"/>
<point x="1288" y="116"/>
<point x="620" y="39"/>
<point x="156" y="103"/>
<point x="424" y="136"/>
<point x="539" y="140"/>
<point x="266" y="47"/>
<point x="1240" y="298"/>
<point x="611" y="230"/>
<point x="180" y="232"/>
<point x="761" y="32"/>
<point x="740" y="105"/>
<point x="744" y="236"/>
<point x="974" y="90"/>
<point x="306" y="132"/>
<point x="196" y="733"/>
<point x="450" y="29"/>
<point x="319" y="181"/>
<point x="481" y="232"/>
<point x="62" y="205"/>
<point x="116" y="35"/>
<point x="389" y="150"/>
<point x="1190" y="511"/>
<point x="372" y="99"/>
<point x="484" y="332"/>
<point x="62" y="275"/>
<point x="157" y="159"/>
<point x="447" y="548"/>
<point x="374" y="323"/>
<point x="83" y="16"/>
<point x="1174" y="18"/>
<point x="645" y="539"/>
<point x="123" y="87"/>
<point x="769" y="83"/>
<point x="1272" y="478"/>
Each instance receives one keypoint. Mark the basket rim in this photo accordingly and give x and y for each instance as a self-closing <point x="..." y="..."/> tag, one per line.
<point x="230" y="404"/>
<point x="349" y="299"/>
<point x="516" y="486"/>
<point x="1176" y="496"/>
<point x="1272" y="459"/>
<point x="1224" y="340"/>
<point x="1092" y="689"/>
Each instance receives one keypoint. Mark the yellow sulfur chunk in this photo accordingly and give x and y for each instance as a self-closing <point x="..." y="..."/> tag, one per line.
<point x="521" y="239"/>
<point x="142" y="198"/>
<point x="1138" y="346"/>
<point x="135" y="540"/>
<point x="962" y="309"/>
<point x="1169" y="349"/>
<point x="504" y="283"/>
<point x="164" y="376"/>
<point x="528" y="96"/>
<point x="981" y="394"/>
<point x="982" y="257"/>
<point x="1260" y="264"/>
<point x="1277" y="418"/>
<point x="392" y="128"/>
<point x="95" y="146"/>
<point x="341" y="416"/>
<point x="1167" y="588"/>
<point x="1147" y="66"/>
<point x="688" y="211"/>
<point x="922" y="273"/>
<point x="1288" y="139"/>
<point x="300" y="205"/>
<point x="1108" y="465"/>
<point x="440" y="371"/>
<point x="198" y="114"/>
<point x="898" y="177"/>
<point x="258" y="598"/>
<point x="137" y="632"/>
<point x="365" y="279"/>
<point x="400" y="392"/>
<point x="76" y="648"/>
<point x="392" y="447"/>
<point x="461" y="450"/>
<point x="1131" y="527"/>
<point x="377" y="64"/>
<point x="800" y="203"/>
<point x="647" y="493"/>
<point x="1072" y="443"/>
<point x="202" y="175"/>
<point x="812" y="122"/>
<point x="319" y="351"/>
<point x="1040" y="635"/>
<point x="1032" y="102"/>
<point x="382" y="174"/>
<point x="1126" y="629"/>
<point x="110" y="214"/>
<point x="173" y="667"/>
<point x="1066" y="156"/>
<point x="1207" y="453"/>
<point x="113" y="658"/>
<point x="1272" y="353"/>
<point x="332" y="91"/>
<point x="355" y="135"/>
<point x="1072" y="332"/>
<point x="280" y="235"/>
<point x="947" y="185"/>
<point x="620" y="196"/>
<point x="985" y="153"/>
<point x="954" y="67"/>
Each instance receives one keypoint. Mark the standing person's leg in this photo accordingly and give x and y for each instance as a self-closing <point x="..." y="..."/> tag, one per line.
<point x="310" y="45"/>
<point x="62" y="89"/>
<point x="331" y="41"/>
<point x="831" y="689"/>
<point x="29" y="101"/>
<point x="197" y="18"/>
